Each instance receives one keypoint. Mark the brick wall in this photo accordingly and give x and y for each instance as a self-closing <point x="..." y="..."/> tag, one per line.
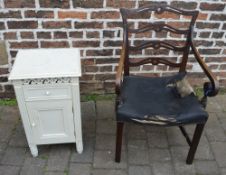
<point x="94" y="27"/>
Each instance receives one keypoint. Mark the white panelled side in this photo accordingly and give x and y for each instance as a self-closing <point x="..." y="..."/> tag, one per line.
<point x="46" y="84"/>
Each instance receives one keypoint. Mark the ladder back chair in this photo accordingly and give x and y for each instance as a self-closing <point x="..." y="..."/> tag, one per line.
<point x="160" y="101"/>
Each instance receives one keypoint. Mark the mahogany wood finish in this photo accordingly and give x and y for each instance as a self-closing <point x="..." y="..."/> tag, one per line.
<point x="119" y="133"/>
<point x="210" y="88"/>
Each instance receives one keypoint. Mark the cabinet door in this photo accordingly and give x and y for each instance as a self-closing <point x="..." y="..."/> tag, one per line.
<point x="51" y="121"/>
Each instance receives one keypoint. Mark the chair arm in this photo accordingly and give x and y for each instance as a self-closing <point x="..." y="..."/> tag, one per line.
<point x="119" y="73"/>
<point x="210" y="88"/>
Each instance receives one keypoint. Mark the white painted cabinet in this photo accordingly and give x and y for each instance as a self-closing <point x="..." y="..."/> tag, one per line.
<point x="46" y="83"/>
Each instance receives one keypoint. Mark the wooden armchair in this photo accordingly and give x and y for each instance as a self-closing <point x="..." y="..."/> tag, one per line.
<point x="160" y="101"/>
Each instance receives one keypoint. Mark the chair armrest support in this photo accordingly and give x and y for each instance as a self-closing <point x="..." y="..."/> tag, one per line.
<point x="210" y="88"/>
<point x="119" y="73"/>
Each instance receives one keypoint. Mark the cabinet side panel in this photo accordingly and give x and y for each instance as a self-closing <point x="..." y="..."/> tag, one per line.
<point x="24" y="115"/>
<point x="77" y="116"/>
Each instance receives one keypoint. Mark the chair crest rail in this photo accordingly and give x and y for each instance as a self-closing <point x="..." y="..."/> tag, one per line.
<point x="158" y="10"/>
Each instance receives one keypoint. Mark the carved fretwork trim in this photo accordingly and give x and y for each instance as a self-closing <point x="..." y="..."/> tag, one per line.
<point x="46" y="81"/>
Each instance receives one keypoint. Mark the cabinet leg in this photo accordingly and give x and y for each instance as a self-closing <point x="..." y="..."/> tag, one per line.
<point x="79" y="147"/>
<point x="34" y="150"/>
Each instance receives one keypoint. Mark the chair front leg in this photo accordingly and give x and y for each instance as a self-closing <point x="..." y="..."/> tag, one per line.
<point x="119" y="134"/>
<point x="195" y="141"/>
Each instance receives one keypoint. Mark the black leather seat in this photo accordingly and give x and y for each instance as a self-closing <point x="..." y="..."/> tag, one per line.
<point x="154" y="101"/>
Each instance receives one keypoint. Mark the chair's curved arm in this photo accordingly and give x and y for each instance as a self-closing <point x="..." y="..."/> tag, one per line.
<point x="210" y="88"/>
<point x="119" y="73"/>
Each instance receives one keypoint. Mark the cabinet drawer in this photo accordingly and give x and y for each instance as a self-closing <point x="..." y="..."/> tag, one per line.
<point x="45" y="93"/>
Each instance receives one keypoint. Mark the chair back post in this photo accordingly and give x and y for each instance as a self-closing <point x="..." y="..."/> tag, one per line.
<point x="126" y="44"/>
<point x="188" y="42"/>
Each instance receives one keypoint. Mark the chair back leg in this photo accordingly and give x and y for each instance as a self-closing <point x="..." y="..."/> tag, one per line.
<point x="195" y="141"/>
<point x="119" y="134"/>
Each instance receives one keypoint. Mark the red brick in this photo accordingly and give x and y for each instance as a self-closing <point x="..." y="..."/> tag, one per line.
<point x="54" y="4"/>
<point x="114" y="24"/>
<point x="209" y="51"/>
<point x="39" y="14"/>
<point x="24" y="45"/>
<point x="76" y="34"/>
<point x="213" y="66"/>
<point x="110" y="43"/>
<point x="72" y="14"/>
<point x="218" y="17"/>
<point x="10" y="14"/>
<point x="87" y="87"/>
<point x="151" y="3"/>
<point x="120" y="4"/>
<point x="3" y="79"/>
<point x="175" y="35"/>
<point x="156" y="51"/>
<point x="215" y="59"/>
<point x="161" y="68"/>
<point x="105" y="15"/>
<point x="202" y="25"/>
<point x="27" y="35"/>
<point x="86" y="77"/>
<point x="104" y="77"/>
<point x="4" y="71"/>
<point x="108" y="34"/>
<point x="217" y="34"/>
<point x="2" y="26"/>
<point x="22" y="24"/>
<point x="8" y="88"/>
<point x="19" y="3"/>
<point x="56" y="24"/>
<point x="54" y="44"/>
<point x="223" y="67"/>
<point x="203" y="43"/>
<point x="88" y="25"/>
<point x="204" y="34"/>
<point x="212" y="6"/>
<point x="179" y="24"/>
<point x="224" y="26"/>
<point x="107" y="60"/>
<point x="87" y="61"/>
<point x="43" y="35"/>
<point x="10" y="35"/>
<point x="168" y="15"/>
<point x="148" y="67"/>
<point x="184" y="5"/>
<point x="91" y="34"/>
<point x="90" y="68"/>
<point x="105" y="68"/>
<point x="102" y="52"/>
<point x="59" y="35"/>
<point x="162" y="34"/>
<point x="88" y="3"/>
<point x="202" y="16"/>
<point x="86" y="43"/>
<point x="109" y="87"/>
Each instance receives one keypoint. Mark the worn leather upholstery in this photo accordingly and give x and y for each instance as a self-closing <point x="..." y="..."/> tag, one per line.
<point x="156" y="101"/>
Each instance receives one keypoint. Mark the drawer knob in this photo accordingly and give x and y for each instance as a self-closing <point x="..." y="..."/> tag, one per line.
<point x="33" y="124"/>
<point x="47" y="93"/>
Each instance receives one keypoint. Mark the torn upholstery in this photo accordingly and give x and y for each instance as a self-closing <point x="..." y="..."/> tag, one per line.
<point x="159" y="101"/>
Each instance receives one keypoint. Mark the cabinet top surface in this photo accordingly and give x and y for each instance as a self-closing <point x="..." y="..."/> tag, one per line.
<point x="46" y="63"/>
